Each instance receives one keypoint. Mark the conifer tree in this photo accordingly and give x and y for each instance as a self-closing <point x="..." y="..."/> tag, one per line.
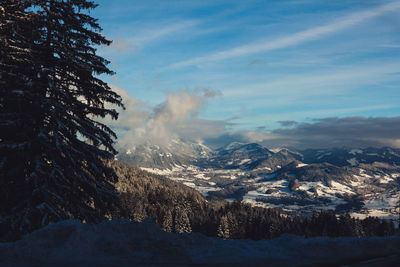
<point x="52" y="148"/>
<point x="181" y="221"/>
<point x="167" y="221"/>
<point x="223" y="228"/>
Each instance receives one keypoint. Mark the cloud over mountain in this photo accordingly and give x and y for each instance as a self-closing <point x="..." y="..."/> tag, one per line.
<point x="176" y="117"/>
<point x="322" y="133"/>
<point x="348" y="131"/>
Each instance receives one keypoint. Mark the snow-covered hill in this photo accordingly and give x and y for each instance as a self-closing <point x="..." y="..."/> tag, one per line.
<point x="124" y="243"/>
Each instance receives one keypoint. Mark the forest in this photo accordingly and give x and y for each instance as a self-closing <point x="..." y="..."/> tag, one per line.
<point x="178" y="208"/>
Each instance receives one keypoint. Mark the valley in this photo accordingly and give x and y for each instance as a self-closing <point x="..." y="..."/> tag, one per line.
<point x="362" y="182"/>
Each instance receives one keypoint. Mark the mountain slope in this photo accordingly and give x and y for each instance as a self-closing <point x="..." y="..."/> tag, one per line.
<point x="124" y="243"/>
<point x="148" y="195"/>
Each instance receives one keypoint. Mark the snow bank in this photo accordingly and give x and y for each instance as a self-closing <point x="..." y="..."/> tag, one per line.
<point x="124" y="243"/>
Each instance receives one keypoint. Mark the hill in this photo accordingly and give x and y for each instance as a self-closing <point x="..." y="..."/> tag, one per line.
<point x="124" y="243"/>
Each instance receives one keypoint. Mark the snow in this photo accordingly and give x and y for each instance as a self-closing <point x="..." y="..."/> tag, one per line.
<point x="157" y="171"/>
<point x="180" y="179"/>
<point x="205" y="189"/>
<point x="338" y="187"/>
<point x="324" y="154"/>
<point x="202" y="176"/>
<point x="395" y="175"/>
<point x="301" y="165"/>
<point x="263" y="168"/>
<point x="124" y="243"/>
<point x="189" y="184"/>
<point x="279" y="188"/>
<point x="385" y="179"/>
<point x="244" y="161"/>
<point x="352" y="161"/>
<point x="355" y="151"/>
<point x="363" y="174"/>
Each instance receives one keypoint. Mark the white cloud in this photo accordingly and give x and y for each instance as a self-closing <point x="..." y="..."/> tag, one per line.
<point x="294" y="39"/>
<point x="177" y="117"/>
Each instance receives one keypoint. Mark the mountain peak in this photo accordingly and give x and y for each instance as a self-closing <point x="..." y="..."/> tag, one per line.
<point x="233" y="146"/>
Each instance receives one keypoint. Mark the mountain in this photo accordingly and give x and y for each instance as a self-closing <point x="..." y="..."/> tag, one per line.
<point x="240" y="156"/>
<point x="352" y="157"/>
<point x="176" y="153"/>
<point x="361" y="181"/>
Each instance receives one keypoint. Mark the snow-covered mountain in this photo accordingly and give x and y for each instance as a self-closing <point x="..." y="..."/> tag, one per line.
<point x="361" y="181"/>
<point x="352" y="157"/>
<point x="176" y="153"/>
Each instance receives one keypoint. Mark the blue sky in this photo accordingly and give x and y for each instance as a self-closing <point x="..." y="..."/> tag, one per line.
<point x="256" y="63"/>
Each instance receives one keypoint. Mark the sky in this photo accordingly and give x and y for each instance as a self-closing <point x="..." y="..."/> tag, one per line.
<point x="295" y="73"/>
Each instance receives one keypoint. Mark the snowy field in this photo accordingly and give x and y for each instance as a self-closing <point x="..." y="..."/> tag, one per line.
<point x="123" y="243"/>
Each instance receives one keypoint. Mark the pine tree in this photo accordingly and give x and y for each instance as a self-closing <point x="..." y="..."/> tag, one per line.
<point x="181" y="221"/>
<point x="223" y="228"/>
<point x="52" y="149"/>
<point x="167" y="221"/>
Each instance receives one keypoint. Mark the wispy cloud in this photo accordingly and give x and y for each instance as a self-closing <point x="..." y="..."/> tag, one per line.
<point x="322" y="112"/>
<point x="159" y="32"/>
<point x="390" y="45"/>
<point x="318" y="83"/>
<point x="293" y="39"/>
<point x="150" y="34"/>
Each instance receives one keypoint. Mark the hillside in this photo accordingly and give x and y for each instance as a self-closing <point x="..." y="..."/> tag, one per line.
<point x="179" y="208"/>
<point x="123" y="243"/>
<point x="173" y="205"/>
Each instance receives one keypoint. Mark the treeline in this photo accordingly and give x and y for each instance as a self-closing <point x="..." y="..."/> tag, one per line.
<point x="242" y="221"/>
<point x="177" y="208"/>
